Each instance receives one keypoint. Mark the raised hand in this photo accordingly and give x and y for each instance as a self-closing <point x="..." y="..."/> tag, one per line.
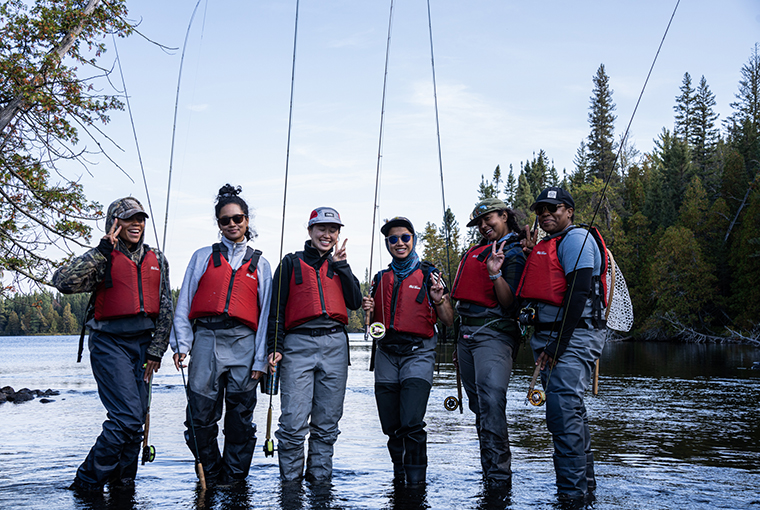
<point x="340" y="253"/>
<point x="496" y="259"/>
<point x="113" y="234"/>
<point x="436" y="289"/>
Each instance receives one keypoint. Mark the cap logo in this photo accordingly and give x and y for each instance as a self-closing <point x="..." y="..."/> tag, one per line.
<point x="314" y="214"/>
<point x="328" y="214"/>
<point x="551" y="194"/>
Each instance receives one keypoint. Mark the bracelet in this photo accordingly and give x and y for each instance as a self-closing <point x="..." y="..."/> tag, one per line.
<point x="494" y="277"/>
<point x="438" y="303"/>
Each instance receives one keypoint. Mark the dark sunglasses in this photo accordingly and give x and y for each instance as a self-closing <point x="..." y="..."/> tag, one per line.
<point x="404" y="237"/>
<point x="552" y="208"/>
<point x="237" y="218"/>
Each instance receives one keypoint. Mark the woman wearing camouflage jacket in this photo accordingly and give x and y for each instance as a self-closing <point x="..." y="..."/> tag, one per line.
<point x="129" y="318"/>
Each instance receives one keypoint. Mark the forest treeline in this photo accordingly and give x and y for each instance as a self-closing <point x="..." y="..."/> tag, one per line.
<point x="682" y="220"/>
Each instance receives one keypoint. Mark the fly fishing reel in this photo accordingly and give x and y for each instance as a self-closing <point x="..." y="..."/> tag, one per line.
<point x="536" y="397"/>
<point x="451" y="403"/>
<point x="269" y="448"/>
<point x="148" y="453"/>
<point x="377" y="330"/>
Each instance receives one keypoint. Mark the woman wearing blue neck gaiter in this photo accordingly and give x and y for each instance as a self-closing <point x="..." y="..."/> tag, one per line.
<point x="407" y="298"/>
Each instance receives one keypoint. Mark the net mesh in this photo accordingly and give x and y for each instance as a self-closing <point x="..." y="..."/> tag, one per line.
<point x="619" y="309"/>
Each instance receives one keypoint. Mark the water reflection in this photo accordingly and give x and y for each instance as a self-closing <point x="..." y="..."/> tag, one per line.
<point x="674" y="426"/>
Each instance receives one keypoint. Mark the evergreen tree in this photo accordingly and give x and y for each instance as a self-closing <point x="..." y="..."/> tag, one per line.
<point x="683" y="285"/>
<point x="601" y="140"/>
<point x="578" y="177"/>
<point x="524" y="196"/>
<point x="745" y="261"/>
<point x="744" y="124"/>
<point x="704" y="135"/>
<point x="510" y="188"/>
<point x="671" y="156"/>
<point x="537" y="172"/>
<point x="13" y="328"/>
<point x="684" y="109"/>
<point x="70" y="324"/>
<point x="693" y="213"/>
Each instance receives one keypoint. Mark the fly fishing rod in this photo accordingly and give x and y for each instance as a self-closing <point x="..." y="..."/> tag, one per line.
<point x="273" y="377"/>
<point x="150" y="454"/>
<point x="448" y="402"/>
<point x="607" y="180"/>
<point x="377" y="330"/>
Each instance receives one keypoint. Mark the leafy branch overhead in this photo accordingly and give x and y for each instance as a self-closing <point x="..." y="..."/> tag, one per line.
<point x="50" y="109"/>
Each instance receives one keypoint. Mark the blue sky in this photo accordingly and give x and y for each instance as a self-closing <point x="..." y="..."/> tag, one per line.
<point x="513" y="78"/>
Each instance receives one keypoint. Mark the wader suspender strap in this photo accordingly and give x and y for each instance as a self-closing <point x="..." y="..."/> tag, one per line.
<point x="216" y="249"/>
<point x="295" y="260"/>
<point x="89" y="307"/>
<point x="253" y="256"/>
<point x="425" y="267"/>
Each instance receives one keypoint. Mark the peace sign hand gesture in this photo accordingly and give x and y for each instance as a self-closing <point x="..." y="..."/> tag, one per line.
<point x="496" y="259"/>
<point x="113" y="234"/>
<point x="340" y="253"/>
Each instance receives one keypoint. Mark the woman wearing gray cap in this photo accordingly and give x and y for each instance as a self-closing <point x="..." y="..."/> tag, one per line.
<point x="407" y="298"/>
<point x="484" y="289"/>
<point x="129" y="317"/>
<point x="311" y="292"/>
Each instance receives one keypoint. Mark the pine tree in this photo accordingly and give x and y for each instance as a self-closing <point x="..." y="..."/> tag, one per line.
<point x="704" y="135"/>
<point x="13" y="328"/>
<point x="744" y="124"/>
<point x="601" y="140"/>
<point x="578" y="177"/>
<point x="745" y="261"/>
<point x="70" y="324"/>
<point x="684" y="109"/>
<point x="510" y="188"/>
<point x="671" y="156"/>
<point x="524" y="196"/>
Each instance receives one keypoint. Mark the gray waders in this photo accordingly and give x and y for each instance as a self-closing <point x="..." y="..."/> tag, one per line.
<point x="485" y="363"/>
<point x="313" y="372"/>
<point x="566" y="416"/>
<point x="220" y="375"/>
<point x="402" y="388"/>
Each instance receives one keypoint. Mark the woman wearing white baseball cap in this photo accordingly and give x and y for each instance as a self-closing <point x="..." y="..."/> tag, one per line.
<point x="307" y="337"/>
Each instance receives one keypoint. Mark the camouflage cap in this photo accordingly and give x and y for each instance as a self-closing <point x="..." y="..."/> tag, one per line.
<point x="484" y="207"/>
<point x="126" y="208"/>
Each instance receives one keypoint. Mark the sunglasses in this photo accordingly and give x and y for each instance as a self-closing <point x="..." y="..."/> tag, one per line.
<point x="552" y="208"/>
<point x="237" y="218"/>
<point x="404" y="238"/>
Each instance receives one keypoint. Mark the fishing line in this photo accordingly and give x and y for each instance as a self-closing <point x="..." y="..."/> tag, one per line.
<point x="604" y="191"/>
<point x="164" y="280"/>
<point x="174" y="124"/>
<point x="268" y="443"/>
<point x="377" y="183"/>
<point x="438" y="136"/>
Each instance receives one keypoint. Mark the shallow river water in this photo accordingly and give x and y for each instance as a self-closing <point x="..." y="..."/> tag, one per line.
<point x="673" y="426"/>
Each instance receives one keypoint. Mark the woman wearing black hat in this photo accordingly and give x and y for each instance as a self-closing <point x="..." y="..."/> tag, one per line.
<point x="407" y="298"/>
<point x="562" y="279"/>
<point x="307" y="337"/>
<point x="484" y="290"/>
<point x="221" y="321"/>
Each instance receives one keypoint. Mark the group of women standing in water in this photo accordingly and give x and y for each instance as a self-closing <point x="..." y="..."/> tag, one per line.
<point x="239" y="323"/>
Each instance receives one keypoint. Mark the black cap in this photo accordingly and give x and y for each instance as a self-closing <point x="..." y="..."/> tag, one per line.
<point x="554" y="195"/>
<point x="398" y="221"/>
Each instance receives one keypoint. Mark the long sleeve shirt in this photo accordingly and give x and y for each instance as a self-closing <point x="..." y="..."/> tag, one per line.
<point x="182" y="333"/>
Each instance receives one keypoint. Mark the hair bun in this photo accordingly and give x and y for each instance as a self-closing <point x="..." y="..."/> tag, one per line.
<point x="229" y="190"/>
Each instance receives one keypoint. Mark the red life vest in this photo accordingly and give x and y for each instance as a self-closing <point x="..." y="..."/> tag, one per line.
<point x="543" y="278"/>
<point x="129" y="288"/>
<point x="313" y="293"/>
<point x="222" y="290"/>
<point x="404" y="306"/>
<point x="472" y="283"/>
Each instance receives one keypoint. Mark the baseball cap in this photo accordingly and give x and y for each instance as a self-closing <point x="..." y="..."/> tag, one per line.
<point x="324" y="215"/>
<point x="554" y="195"/>
<point x="127" y="207"/>
<point x="398" y="221"/>
<point x="484" y="207"/>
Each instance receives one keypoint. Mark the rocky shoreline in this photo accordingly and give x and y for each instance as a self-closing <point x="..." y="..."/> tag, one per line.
<point x="8" y="394"/>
